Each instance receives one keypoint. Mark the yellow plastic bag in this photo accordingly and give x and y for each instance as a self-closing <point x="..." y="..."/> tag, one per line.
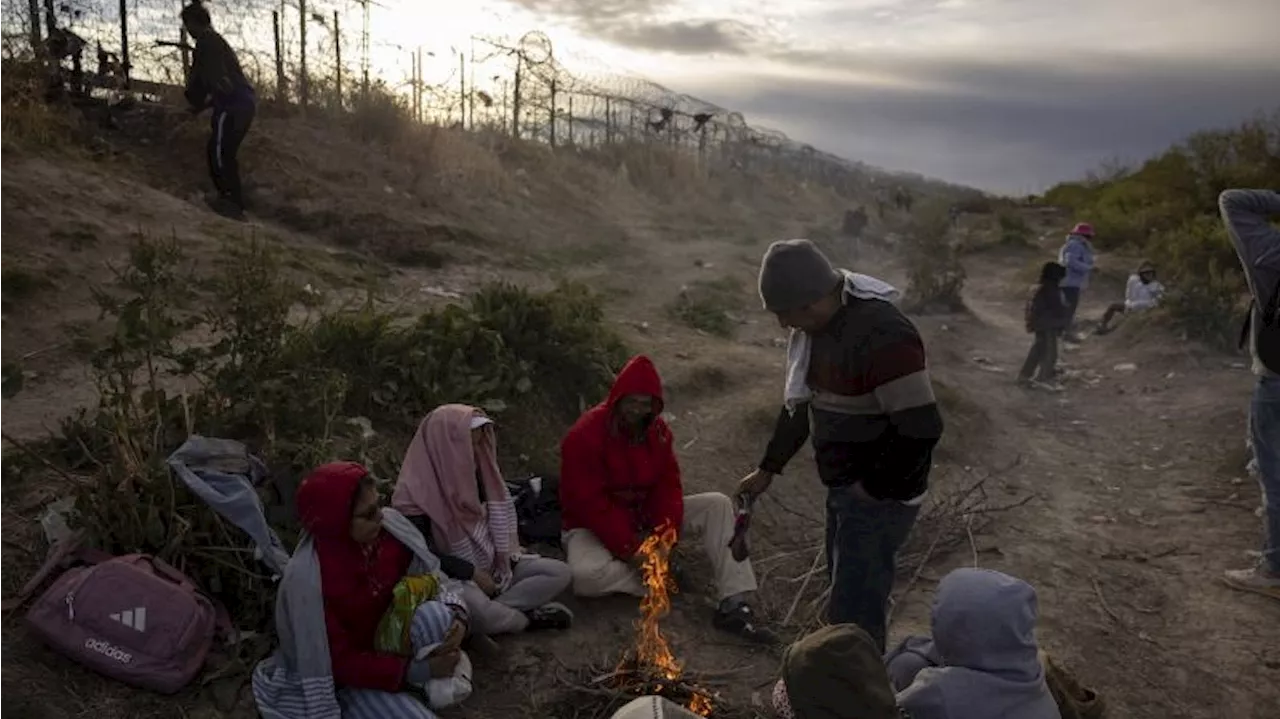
<point x="408" y="594"/>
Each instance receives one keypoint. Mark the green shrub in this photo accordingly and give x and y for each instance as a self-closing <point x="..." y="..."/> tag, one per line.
<point x="935" y="276"/>
<point x="349" y="384"/>
<point x="705" y="305"/>
<point x="1167" y="209"/>
<point x="1013" y="229"/>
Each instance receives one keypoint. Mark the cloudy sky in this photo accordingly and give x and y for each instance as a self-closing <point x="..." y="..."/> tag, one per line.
<point x="1008" y="95"/>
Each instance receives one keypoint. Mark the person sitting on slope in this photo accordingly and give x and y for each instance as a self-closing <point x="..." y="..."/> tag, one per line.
<point x="620" y="484"/>
<point x="1142" y="292"/>
<point x="451" y="489"/>
<point x="982" y="661"/>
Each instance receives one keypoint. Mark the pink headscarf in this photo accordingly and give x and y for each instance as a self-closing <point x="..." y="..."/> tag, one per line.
<point x="441" y="476"/>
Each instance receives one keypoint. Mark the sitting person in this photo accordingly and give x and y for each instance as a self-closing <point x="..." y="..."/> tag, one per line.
<point x="335" y="591"/>
<point x="1047" y="317"/>
<point x="620" y="483"/>
<point x="1141" y="293"/>
<point x="982" y="661"/>
<point x="451" y="488"/>
<point x="835" y="673"/>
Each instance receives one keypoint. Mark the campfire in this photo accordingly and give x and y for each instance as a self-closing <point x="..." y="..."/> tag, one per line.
<point x="651" y="667"/>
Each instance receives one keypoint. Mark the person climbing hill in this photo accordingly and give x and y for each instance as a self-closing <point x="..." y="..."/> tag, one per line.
<point x="217" y="81"/>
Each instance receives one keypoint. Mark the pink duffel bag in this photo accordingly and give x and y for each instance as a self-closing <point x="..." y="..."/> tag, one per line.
<point x="133" y="618"/>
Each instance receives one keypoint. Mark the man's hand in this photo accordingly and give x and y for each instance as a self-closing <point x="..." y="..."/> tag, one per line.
<point x="755" y="484"/>
<point x="484" y="580"/>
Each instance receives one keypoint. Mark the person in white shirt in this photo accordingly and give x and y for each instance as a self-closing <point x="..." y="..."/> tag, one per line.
<point x="1142" y="292"/>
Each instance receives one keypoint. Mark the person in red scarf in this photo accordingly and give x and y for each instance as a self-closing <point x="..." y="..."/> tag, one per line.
<point x="620" y="483"/>
<point x="360" y="564"/>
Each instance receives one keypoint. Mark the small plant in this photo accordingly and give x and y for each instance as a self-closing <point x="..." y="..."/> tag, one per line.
<point x="19" y="284"/>
<point x="705" y="305"/>
<point x="1013" y="229"/>
<point x="935" y="277"/>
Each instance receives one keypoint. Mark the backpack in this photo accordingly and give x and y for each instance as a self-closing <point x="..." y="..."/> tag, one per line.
<point x="1268" y="332"/>
<point x="537" y="501"/>
<point x="132" y="618"/>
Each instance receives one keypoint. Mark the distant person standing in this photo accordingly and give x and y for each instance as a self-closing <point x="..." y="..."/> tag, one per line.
<point x="1046" y="316"/>
<point x="217" y="81"/>
<point x="1077" y="256"/>
<point x="1247" y="215"/>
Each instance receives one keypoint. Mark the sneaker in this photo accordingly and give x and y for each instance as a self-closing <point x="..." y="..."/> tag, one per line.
<point x="549" y="616"/>
<point x="1256" y="580"/>
<point x="741" y="620"/>
<point x="1048" y="386"/>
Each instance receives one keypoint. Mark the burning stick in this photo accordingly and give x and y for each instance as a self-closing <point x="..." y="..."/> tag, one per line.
<point x="653" y="655"/>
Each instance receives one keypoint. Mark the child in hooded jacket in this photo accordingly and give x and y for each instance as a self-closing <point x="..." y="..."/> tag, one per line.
<point x="1047" y="316"/>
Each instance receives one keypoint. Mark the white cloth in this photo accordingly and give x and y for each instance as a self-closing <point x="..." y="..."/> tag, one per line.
<point x="796" y="389"/>
<point x="596" y="572"/>
<point x="1139" y="295"/>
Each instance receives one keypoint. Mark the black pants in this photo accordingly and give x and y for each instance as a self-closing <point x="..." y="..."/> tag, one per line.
<point x="863" y="537"/>
<point x="1072" y="296"/>
<point x="1115" y="308"/>
<point x="229" y="126"/>
<point x="1043" y="354"/>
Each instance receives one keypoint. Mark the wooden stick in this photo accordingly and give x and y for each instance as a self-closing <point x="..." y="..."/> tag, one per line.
<point x="817" y="557"/>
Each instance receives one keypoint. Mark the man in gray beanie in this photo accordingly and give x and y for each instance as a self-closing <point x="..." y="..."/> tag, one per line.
<point x="858" y="381"/>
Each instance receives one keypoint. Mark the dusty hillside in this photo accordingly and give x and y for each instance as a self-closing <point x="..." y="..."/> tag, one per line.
<point x="1119" y="499"/>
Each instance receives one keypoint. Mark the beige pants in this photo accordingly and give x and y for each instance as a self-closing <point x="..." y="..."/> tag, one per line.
<point x="596" y="572"/>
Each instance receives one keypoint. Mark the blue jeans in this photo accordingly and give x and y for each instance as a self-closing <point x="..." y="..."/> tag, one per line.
<point x="863" y="537"/>
<point x="1264" y="426"/>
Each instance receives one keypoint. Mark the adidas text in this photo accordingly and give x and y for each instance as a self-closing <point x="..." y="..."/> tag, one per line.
<point x="107" y="650"/>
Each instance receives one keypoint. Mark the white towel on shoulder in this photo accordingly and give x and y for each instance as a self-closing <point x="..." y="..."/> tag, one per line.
<point x="864" y="287"/>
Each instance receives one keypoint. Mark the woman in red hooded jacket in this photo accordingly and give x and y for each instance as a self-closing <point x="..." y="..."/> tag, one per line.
<point x="360" y="564"/>
<point x="620" y="483"/>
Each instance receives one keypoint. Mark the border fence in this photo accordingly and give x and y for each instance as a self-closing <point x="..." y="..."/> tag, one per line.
<point x="319" y="53"/>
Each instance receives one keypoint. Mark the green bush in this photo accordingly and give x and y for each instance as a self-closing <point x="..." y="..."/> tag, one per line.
<point x="349" y="384"/>
<point x="935" y="275"/>
<point x="1167" y="209"/>
<point x="705" y="305"/>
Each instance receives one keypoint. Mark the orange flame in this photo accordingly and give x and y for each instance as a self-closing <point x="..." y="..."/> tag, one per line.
<point x="652" y="649"/>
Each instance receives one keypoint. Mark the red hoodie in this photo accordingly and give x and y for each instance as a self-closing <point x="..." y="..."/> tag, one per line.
<point x="355" y="580"/>
<point x="612" y="486"/>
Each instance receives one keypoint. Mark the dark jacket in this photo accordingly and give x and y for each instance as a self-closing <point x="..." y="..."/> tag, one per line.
<point x="216" y="78"/>
<point x="1047" y="309"/>
<point x="875" y="420"/>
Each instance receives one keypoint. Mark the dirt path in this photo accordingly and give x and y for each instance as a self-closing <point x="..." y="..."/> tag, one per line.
<point x="1136" y="477"/>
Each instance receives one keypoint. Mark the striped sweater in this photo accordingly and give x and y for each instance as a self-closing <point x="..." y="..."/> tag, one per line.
<point x="873" y="418"/>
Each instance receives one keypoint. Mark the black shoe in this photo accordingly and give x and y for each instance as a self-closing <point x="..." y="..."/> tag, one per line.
<point x="227" y="207"/>
<point x="549" y="616"/>
<point x="741" y="620"/>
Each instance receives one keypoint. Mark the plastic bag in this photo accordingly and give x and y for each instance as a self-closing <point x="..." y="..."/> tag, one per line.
<point x="393" y="630"/>
<point x="444" y="692"/>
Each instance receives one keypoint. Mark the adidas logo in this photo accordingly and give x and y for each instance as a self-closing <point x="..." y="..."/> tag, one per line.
<point x="132" y="618"/>
<point x="107" y="650"/>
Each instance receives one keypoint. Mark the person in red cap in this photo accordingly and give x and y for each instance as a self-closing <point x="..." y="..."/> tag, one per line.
<point x="1077" y="256"/>
<point x="620" y="484"/>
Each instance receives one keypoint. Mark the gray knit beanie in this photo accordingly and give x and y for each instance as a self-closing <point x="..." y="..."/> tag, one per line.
<point x="795" y="274"/>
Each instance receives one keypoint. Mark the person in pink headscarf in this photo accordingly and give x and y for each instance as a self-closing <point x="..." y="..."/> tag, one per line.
<point x="450" y="488"/>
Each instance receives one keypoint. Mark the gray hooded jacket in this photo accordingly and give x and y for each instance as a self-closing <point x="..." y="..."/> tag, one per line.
<point x="984" y="642"/>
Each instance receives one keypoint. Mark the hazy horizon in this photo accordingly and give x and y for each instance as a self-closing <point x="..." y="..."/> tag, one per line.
<point x="1006" y="95"/>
